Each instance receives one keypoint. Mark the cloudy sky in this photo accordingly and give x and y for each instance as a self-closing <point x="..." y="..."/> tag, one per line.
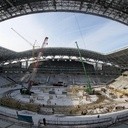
<point x="64" y="29"/>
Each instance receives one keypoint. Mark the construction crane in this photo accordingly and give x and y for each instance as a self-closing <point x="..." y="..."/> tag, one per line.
<point x="88" y="88"/>
<point x="33" y="45"/>
<point x="27" y="90"/>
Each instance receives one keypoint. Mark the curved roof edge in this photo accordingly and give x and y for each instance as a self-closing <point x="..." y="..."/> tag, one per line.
<point x="118" y="58"/>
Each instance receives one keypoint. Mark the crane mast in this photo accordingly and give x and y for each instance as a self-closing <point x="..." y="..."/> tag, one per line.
<point x="34" y="71"/>
<point x="37" y="62"/>
<point x="88" y="88"/>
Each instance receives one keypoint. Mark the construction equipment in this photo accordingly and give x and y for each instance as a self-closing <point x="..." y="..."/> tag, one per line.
<point x="33" y="45"/>
<point x="88" y="88"/>
<point x="27" y="90"/>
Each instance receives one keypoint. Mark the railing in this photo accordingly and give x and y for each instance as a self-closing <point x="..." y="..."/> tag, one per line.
<point x="8" y="114"/>
<point x="14" y="120"/>
<point x="97" y="122"/>
<point x="122" y="117"/>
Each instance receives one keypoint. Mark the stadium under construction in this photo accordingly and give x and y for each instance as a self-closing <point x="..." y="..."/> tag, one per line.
<point x="64" y="87"/>
<point x="58" y="91"/>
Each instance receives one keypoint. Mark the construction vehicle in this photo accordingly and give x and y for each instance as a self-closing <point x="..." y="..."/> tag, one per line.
<point x="88" y="88"/>
<point x="27" y="90"/>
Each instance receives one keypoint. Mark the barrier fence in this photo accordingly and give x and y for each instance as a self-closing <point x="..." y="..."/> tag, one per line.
<point x="101" y="121"/>
<point x="91" y="123"/>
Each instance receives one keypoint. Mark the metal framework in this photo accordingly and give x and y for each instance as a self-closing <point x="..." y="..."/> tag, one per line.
<point x="117" y="58"/>
<point x="113" y="9"/>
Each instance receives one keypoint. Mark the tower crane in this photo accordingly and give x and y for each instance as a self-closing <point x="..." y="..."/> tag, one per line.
<point x="27" y="90"/>
<point x="33" y="45"/>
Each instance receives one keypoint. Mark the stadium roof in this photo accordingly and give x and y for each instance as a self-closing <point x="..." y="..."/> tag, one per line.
<point x="6" y="54"/>
<point x="113" y="9"/>
<point x="117" y="58"/>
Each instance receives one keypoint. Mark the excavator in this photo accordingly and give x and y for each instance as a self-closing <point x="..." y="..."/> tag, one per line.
<point x="27" y="90"/>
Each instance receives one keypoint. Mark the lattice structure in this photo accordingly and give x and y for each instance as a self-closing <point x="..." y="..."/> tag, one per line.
<point x="117" y="58"/>
<point x="113" y="9"/>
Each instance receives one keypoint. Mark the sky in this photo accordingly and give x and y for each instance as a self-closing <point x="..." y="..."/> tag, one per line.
<point x="64" y="29"/>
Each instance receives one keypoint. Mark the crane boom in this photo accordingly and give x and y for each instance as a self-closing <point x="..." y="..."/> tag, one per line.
<point x="33" y="45"/>
<point x="89" y="88"/>
<point x="34" y="71"/>
<point x="22" y="37"/>
<point x="37" y="62"/>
